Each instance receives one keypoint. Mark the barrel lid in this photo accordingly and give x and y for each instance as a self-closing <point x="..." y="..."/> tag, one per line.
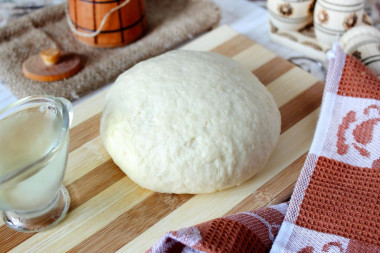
<point x="51" y="65"/>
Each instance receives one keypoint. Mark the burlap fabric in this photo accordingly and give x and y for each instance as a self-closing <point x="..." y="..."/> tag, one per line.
<point x="170" y="23"/>
<point x="335" y="206"/>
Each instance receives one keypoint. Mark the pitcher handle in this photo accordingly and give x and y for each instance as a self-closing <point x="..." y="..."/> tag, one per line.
<point x="69" y="107"/>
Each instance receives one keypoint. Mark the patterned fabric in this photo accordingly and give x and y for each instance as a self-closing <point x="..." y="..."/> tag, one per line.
<point x="242" y="232"/>
<point x="335" y="206"/>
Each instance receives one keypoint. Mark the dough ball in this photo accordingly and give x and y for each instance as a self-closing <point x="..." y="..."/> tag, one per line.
<point x="189" y="122"/>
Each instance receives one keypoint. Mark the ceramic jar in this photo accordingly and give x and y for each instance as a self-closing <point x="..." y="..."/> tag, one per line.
<point x="290" y="15"/>
<point x="122" y="26"/>
<point x="334" y="17"/>
<point x="363" y="42"/>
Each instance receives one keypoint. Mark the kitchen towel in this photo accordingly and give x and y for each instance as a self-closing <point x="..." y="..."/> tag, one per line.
<point x="242" y="232"/>
<point x="335" y="206"/>
<point x="170" y="23"/>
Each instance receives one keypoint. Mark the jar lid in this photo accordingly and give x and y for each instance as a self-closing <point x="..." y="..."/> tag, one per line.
<point x="357" y="34"/>
<point x="51" y="65"/>
<point x="338" y="4"/>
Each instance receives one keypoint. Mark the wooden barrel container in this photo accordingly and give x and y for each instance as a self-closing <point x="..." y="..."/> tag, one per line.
<point x="122" y="27"/>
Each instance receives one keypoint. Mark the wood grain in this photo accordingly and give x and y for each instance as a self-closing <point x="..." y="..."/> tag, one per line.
<point x="132" y="223"/>
<point x="84" y="132"/>
<point x="290" y="84"/>
<point x="93" y="183"/>
<point x="301" y="106"/>
<point x="84" y="159"/>
<point x="91" y="216"/>
<point x="273" y="69"/>
<point x="257" y="57"/>
<point x="238" y="44"/>
<point x="272" y="193"/>
<point x="111" y="213"/>
<point x="10" y="238"/>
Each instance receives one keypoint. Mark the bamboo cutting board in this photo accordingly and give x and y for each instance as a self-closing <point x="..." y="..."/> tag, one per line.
<point x="110" y="213"/>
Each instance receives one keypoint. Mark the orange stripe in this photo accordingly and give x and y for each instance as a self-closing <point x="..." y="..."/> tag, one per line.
<point x="272" y="70"/>
<point x="301" y="105"/>
<point x="102" y="177"/>
<point x="84" y="132"/>
<point x="234" y="46"/>
<point x="10" y="238"/>
<point x="132" y="223"/>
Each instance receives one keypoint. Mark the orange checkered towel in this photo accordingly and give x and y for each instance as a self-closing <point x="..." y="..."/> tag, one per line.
<point x="335" y="206"/>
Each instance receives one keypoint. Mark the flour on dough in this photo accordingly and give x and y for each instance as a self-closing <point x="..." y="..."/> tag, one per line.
<point x="189" y="122"/>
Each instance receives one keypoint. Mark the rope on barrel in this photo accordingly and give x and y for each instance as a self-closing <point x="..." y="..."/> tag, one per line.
<point x="99" y="30"/>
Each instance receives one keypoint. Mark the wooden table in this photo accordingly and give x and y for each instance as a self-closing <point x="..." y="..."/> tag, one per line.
<point x="111" y="213"/>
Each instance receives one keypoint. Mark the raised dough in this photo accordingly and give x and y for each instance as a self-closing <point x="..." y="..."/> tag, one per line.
<point x="189" y="122"/>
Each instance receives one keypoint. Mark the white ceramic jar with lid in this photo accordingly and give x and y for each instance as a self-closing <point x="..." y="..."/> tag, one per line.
<point x="290" y="15"/>
<point x="335" y="17"/>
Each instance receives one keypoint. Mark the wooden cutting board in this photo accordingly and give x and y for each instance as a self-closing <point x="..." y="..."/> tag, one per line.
<point x="111" y="213"/>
